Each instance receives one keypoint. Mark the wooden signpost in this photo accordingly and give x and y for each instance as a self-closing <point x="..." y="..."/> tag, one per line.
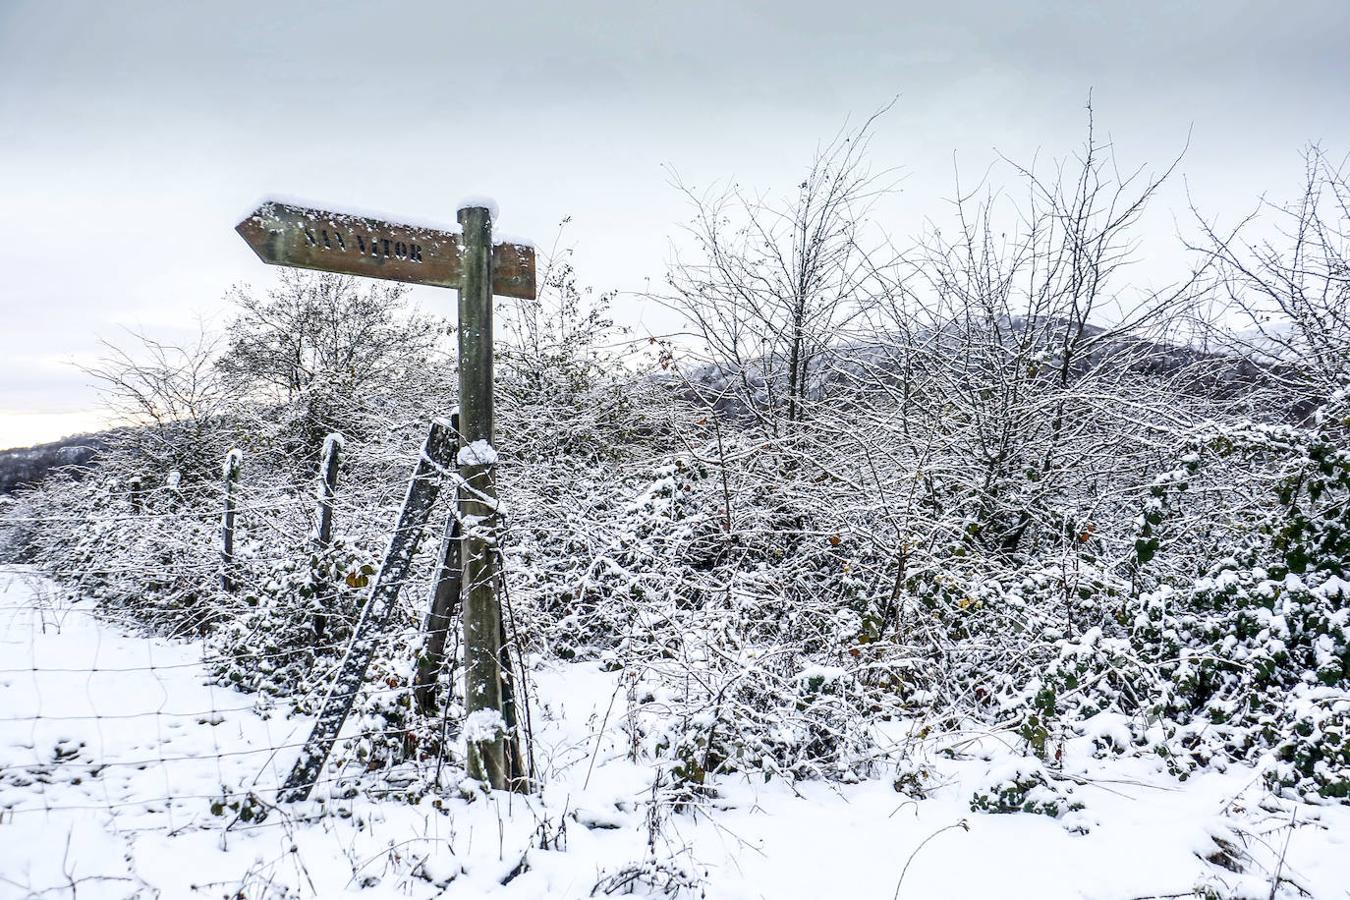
<point x="303" y="238"/>
<point x="287" y="235"/>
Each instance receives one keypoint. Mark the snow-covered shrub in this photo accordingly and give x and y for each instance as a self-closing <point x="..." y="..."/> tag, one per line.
<point x="1250" y="658"/>
<point x="1022" y="785"/>
<point x="295" y="621"/>
<point x="670" y="878"/>
<point x="324" y="352"/>
<point x="1085" y="678"/>
<point x="1256" y="654"/>
<point x="758" y="716"/>
<point x="151" y="550"/>
<point x="614" y="561"/>
<point x="990" y="639"/>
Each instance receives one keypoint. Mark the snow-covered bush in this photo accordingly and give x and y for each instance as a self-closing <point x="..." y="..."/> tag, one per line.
<point x="151" y="550"/>
<point x="1255" y="655"/>
<point x="1022" y="785"/>
<point x="1248" y="658"/>
<point x="296" y="618"/>
<point x="755" y="715"/>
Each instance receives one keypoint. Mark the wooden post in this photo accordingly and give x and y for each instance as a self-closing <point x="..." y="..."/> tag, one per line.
<point x="323" y="531"/>
<point x="485" y="726"/>
<point x="516" y="769"/>
<point x="445" y="595"/>
<point x="288" y="235"/>
<point x="328" y="473"/>
<point x="412" y="519"/>
<point x="233" y="461"/>
<point x="137" y="490"/>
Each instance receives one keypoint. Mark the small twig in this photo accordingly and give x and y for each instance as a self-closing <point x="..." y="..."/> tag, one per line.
<point x="600" y="736"/>
<point x="1279" y="863"/>
<point x="963" y="825"/>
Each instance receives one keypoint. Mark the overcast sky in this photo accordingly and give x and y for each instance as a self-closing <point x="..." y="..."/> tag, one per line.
<point x="134" y="135"/>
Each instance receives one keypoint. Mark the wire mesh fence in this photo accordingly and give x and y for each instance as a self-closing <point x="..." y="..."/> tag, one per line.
<point x="95" y="717"/>
<point x="161" y="658"/>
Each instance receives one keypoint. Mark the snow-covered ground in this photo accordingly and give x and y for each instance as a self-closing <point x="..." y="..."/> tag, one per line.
<point x="113" y="748"/>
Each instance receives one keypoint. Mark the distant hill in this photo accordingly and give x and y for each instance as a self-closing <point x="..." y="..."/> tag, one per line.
<point x="1214" y="375"/>
<point x="24" y="466"/>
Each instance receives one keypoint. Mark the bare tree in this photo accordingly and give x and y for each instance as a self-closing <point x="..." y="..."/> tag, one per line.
<point x="775" y="280"/>
<point x="1290" y="292"/>
<point x="328" y="343"/>
<point x="1021" y="370"/>
<point x="172" y="398"/>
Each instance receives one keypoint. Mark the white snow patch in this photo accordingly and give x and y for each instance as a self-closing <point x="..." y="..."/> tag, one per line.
<point x="1109" y="728"/>
<point x="478" y="453"/>
<point x="348" y="211"/>
<point x="484" y="725"/>
<point x="479" y="200"/>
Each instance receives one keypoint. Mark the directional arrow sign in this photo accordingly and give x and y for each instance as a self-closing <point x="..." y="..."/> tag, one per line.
<point x="285" y="235"/>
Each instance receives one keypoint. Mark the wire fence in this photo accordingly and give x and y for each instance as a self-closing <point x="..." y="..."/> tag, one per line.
<point x="129" y="722"/>
<point x="100" y="710"/>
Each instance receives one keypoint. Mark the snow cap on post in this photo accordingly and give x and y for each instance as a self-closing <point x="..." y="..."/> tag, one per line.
<point x="478" y="201"/>
<point x="233" y="461"/>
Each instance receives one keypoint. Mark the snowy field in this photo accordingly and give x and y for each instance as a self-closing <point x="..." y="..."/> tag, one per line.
<point x="113" y="748"/>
